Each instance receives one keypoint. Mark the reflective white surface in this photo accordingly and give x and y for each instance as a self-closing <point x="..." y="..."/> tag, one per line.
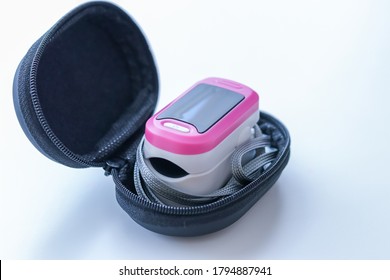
<point x="321" y="67"/>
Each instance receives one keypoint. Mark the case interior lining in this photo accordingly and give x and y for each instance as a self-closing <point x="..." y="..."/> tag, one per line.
<point x="89" y="76"/>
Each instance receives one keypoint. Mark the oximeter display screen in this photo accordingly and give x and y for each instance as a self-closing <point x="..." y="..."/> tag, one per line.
<point x="202" y="106"/>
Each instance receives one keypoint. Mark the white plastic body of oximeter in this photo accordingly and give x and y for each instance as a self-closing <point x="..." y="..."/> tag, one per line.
<point x="189" y="143"/>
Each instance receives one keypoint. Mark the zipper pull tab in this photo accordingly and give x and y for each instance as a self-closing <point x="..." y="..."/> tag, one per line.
<point x="116" y="163"/>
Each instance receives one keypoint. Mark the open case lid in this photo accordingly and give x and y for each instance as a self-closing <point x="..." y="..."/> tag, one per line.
<point x="85" y="89"/>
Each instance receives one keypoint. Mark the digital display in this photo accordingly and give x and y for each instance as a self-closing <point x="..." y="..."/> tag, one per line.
<point x="203" y="106"/>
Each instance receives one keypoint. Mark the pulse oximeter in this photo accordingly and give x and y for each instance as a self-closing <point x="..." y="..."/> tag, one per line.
<point x="189" y="143"/>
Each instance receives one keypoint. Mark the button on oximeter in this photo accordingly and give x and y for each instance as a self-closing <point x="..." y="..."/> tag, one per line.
<point x="176" y="127"/>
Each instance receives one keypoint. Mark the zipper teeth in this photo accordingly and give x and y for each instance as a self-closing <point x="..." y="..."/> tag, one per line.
<point x="35" y="100"/>
<point x="209" y="207"/>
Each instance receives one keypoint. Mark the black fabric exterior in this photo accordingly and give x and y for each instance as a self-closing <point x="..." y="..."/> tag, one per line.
<point x="94" y="86"/>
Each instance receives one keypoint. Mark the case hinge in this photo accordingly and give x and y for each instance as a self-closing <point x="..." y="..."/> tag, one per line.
<point x="116" y="163"/>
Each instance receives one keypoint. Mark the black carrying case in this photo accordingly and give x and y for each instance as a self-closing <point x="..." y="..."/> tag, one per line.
<point x="83" y="93"/>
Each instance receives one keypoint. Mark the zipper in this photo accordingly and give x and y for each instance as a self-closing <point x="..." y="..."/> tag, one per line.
<point x="279" y="165"/>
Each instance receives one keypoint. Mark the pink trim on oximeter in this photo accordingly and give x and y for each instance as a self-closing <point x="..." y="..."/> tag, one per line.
<point x="202" y="117"/>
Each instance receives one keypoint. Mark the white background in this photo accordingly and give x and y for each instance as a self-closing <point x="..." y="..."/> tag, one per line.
<point x="322" y="67"/>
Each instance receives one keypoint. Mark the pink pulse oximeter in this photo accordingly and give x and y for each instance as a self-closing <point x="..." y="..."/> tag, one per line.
<point x="189" y="143"/>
